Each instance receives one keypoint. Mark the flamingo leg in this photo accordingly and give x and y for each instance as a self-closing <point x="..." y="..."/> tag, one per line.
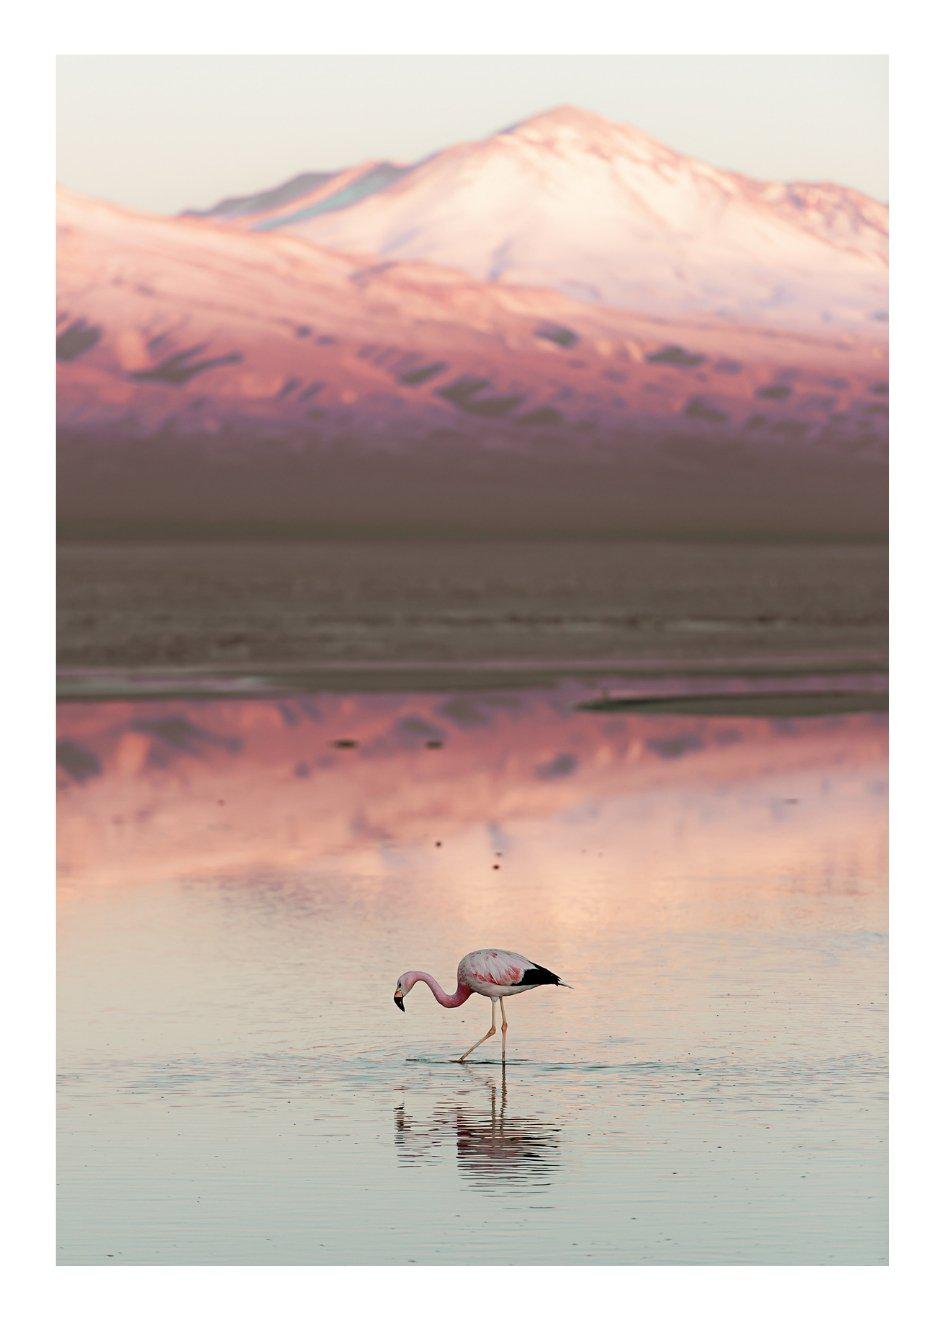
<point x="488" y="1034"/>
<point x="505" y="1025"/>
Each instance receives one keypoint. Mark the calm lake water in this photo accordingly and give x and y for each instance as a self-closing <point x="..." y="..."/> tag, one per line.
<point x="241" y="883"/>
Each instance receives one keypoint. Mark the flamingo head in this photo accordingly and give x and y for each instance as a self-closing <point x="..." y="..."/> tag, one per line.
<point x="404" y="984"/>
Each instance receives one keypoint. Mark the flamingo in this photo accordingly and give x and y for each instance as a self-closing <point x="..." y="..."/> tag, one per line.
<point x="492" y="973"/>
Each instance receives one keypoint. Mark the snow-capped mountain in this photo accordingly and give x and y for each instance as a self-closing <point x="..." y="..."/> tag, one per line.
<point x="605" y="213"/>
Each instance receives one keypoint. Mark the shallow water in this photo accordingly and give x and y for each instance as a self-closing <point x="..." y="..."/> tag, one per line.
<point x="241" y="883"/>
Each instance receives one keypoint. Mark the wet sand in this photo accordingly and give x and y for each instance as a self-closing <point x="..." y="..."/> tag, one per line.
<point x="411" y="614"/>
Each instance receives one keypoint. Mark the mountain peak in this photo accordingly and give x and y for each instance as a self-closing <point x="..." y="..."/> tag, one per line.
<point x="567" y="116"/>
<point x="571" y="130"/>
<point x="566" y="120"/>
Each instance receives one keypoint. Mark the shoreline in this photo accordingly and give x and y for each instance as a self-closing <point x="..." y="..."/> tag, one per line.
<point x="767" y="686"/>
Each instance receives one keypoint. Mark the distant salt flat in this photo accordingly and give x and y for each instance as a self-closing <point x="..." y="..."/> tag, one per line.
<point x="256" y="617"/>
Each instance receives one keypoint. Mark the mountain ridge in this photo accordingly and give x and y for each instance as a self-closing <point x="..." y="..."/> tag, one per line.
<point x="607" y="213"/>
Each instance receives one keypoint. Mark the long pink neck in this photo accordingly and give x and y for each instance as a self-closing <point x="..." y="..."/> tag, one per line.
<point x="456" y="998"/>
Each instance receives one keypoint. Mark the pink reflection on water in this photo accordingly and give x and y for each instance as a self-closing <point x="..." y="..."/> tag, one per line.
<point x="469" y="801"/>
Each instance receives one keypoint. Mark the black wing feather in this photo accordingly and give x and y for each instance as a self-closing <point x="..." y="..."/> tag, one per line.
<point x="538" y="974"/>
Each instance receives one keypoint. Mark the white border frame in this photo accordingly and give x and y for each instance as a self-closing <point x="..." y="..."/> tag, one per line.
<point x="917" y="201"/>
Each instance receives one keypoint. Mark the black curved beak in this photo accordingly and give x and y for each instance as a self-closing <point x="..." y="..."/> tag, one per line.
<point x="399" y="1003"/>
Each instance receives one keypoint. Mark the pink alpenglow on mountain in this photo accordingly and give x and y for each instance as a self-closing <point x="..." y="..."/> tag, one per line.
<point x="567" y="327"/>
<point x="605" y="213"/>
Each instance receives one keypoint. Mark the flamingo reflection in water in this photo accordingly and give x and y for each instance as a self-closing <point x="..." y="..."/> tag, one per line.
<point x="494" y="1149"/>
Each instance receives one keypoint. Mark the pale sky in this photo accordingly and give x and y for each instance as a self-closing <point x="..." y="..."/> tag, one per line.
<point x="164" y="132"/>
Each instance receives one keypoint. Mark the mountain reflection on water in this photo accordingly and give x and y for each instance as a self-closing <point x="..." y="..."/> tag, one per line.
<point x="269" y="790"/>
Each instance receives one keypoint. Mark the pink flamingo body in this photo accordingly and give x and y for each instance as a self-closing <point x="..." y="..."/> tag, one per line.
<point x="491" y="973"/>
